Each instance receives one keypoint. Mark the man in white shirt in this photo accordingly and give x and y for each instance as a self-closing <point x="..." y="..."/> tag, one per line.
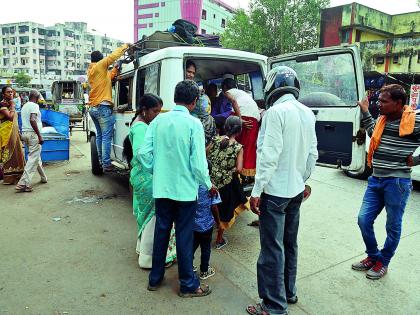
<point x="31" y="136"/>
<point x="286" y="156"/>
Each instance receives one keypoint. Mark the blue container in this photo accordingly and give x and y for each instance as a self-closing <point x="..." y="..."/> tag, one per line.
<point x="55" y="147"/>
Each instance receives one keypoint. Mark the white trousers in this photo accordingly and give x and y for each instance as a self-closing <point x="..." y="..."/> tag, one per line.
<point x="34" y="162"/>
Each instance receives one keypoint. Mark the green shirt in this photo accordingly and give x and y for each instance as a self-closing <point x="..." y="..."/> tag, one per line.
<point x="174" y="151"/>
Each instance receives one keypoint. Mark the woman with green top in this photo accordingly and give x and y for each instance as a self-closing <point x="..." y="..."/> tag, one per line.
<point x="141" y="181"/>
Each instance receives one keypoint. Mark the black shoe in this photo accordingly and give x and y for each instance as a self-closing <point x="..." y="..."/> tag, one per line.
<point x="153" y="287"/>
<point x="292" y="300"/>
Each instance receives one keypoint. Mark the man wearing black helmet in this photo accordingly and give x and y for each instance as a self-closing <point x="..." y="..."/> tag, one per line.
<point x="286" y="156"/>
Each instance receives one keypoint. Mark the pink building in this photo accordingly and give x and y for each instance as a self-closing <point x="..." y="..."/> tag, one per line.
<point x="210" y="16"/>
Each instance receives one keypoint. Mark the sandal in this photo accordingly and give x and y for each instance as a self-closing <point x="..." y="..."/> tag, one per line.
<point x="256" y="310"/>
<point x="222" y="244"/>
<point x="22" y="188"/>
<point x="201" y="291"/>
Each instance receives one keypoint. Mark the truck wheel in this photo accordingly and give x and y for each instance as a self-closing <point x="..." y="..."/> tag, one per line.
<point x="366" y="173"/>
<point x="94" y="160"/>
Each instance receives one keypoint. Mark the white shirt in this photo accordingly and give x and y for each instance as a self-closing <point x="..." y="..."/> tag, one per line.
<point x="286" y="149"/>
<point x="246" y="103"/>
<point x="28" y="109"/>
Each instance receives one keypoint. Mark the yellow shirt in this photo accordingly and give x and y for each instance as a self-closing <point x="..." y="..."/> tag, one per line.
<point x="100" y="79"/>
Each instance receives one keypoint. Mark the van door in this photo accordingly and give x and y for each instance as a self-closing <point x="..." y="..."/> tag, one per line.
<point x="123" y="113"/>
<point x="331" y="82"/>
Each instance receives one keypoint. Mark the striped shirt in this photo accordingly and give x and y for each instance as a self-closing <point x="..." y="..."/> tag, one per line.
<point x="390" y="158"/>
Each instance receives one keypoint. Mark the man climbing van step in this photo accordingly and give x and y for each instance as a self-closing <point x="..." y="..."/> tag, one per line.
<point x="100" y="101"/>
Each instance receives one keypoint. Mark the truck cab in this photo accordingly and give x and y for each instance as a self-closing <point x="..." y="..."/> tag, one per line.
<point x="67" y="97"/>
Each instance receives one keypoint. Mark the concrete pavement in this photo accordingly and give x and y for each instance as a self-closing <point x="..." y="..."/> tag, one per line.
<point x="69" y="248"/>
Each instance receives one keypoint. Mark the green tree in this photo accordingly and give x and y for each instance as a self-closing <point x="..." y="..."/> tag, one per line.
<point x="22" y="79"/>
<point x="273" y="27"/>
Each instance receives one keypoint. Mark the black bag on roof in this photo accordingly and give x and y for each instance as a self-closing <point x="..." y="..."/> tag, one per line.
<point x="185" y="30"/>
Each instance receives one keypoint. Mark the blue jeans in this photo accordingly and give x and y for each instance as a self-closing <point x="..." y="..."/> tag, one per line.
<point x="104" y="122"/>
<point x="182" y="213"/>
<point x="391" y="193"/>
<point x="277" y="263"/>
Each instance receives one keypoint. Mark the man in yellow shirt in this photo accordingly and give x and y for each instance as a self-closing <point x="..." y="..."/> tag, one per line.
<point x="100" y="101"/>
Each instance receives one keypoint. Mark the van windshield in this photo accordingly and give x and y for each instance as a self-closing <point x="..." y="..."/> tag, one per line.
<point x="325" y="80"/>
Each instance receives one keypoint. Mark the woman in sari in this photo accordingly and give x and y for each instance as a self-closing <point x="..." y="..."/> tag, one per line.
<point x="12" y="160"/>
<point x="141" y="181"/>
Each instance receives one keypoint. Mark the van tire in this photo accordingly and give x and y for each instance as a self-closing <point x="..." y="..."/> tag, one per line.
<point x="364" y="175"/>
<point x="94" y="160"/>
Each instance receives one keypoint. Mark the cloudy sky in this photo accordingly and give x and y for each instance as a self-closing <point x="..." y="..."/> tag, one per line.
<point x="116" y="18"/>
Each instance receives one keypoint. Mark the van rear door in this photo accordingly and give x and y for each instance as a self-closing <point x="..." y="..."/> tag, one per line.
<point x="331" y="81"/>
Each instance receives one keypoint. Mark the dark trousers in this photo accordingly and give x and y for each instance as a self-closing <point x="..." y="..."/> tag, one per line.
<point x="277" y="263"/>
<point x="182" y="213"/>
<point x="203" y="239"/>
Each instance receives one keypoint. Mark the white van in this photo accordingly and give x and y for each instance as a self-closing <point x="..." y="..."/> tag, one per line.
<point x="331" y="83"/>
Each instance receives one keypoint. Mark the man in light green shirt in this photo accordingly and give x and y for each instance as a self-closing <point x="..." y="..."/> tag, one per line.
<point x="174" y="151"/>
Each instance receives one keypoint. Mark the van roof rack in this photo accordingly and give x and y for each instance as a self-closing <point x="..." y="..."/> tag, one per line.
<point x="160" y="40"/>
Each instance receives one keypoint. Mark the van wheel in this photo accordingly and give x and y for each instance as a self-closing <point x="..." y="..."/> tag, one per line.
<point x="94" y="160"/>
<point x="366" y="173"/>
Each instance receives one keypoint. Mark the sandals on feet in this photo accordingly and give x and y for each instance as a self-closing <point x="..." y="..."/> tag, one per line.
<point x="256" y="310"/>
<point x="202" y="290"/>
<point x="22" y="188"/>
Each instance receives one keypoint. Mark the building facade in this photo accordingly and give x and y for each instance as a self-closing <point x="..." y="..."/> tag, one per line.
<point x="58" y="52"/>
<point x="389" y="44"/>
<point x="210" y="16"/>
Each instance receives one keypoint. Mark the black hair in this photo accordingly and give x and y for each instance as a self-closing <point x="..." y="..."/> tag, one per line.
<point x="190" y="63"/>
<point x="186" y="92"/>
<point x="96" y="56"/>
<point x="212" y="85"/>
<point x="396" y="92"/>
<point x="4" y="88"/>
<point x="233" y="125"/>
<point x="228" y="84"/>
<point x="147" y="101"/>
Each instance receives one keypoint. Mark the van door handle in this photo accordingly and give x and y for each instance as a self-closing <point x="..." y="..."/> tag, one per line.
<point x="127" y="124"/>
<point x="329" y="127"/>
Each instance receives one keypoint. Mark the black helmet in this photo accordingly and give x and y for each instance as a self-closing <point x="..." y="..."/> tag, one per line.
<point x="280" y="80"/>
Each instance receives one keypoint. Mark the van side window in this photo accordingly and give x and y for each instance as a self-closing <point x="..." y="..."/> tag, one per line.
<point x="148" y="80"/>
<point x="151" y="84"/>
<point x="125" y="93"/>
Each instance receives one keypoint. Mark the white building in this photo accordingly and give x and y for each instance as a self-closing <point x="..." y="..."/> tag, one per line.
<point x="49" y="53"/>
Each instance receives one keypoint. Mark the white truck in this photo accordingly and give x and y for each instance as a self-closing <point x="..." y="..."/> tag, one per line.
<point x="331" y="83"/>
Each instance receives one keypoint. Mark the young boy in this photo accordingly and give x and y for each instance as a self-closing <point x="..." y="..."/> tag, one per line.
<point x="207" y="214"/>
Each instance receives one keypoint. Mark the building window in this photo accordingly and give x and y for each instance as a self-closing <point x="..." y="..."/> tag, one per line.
<point x="150" y="24"/>
<point x="358" y="35"/>
<point x="395" y="59"/>
<point x="203" y="31"/>
<point x="162" y="4"/>
<point x="142" y="25"/>
<point x="34" y="61"/>
<point x="149" y="6"/>
<point x="204" y="15"/>
<point x="380" y="60"/>
<point x="145" y="16"/>
<point x="418" y="56"/>
<point x="214" y="16"/>
<point x="223" y="23"/>
<point x="345" y="36"/>
<point x="156" y="14"/>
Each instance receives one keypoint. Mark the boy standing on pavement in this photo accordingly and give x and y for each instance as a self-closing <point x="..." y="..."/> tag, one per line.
<point x="394" y="138"/>
<point x="174" y="152"/>
<point x="31" y="136"/>
<point x="100" y="101"/>
<point x="207" y="214"/>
